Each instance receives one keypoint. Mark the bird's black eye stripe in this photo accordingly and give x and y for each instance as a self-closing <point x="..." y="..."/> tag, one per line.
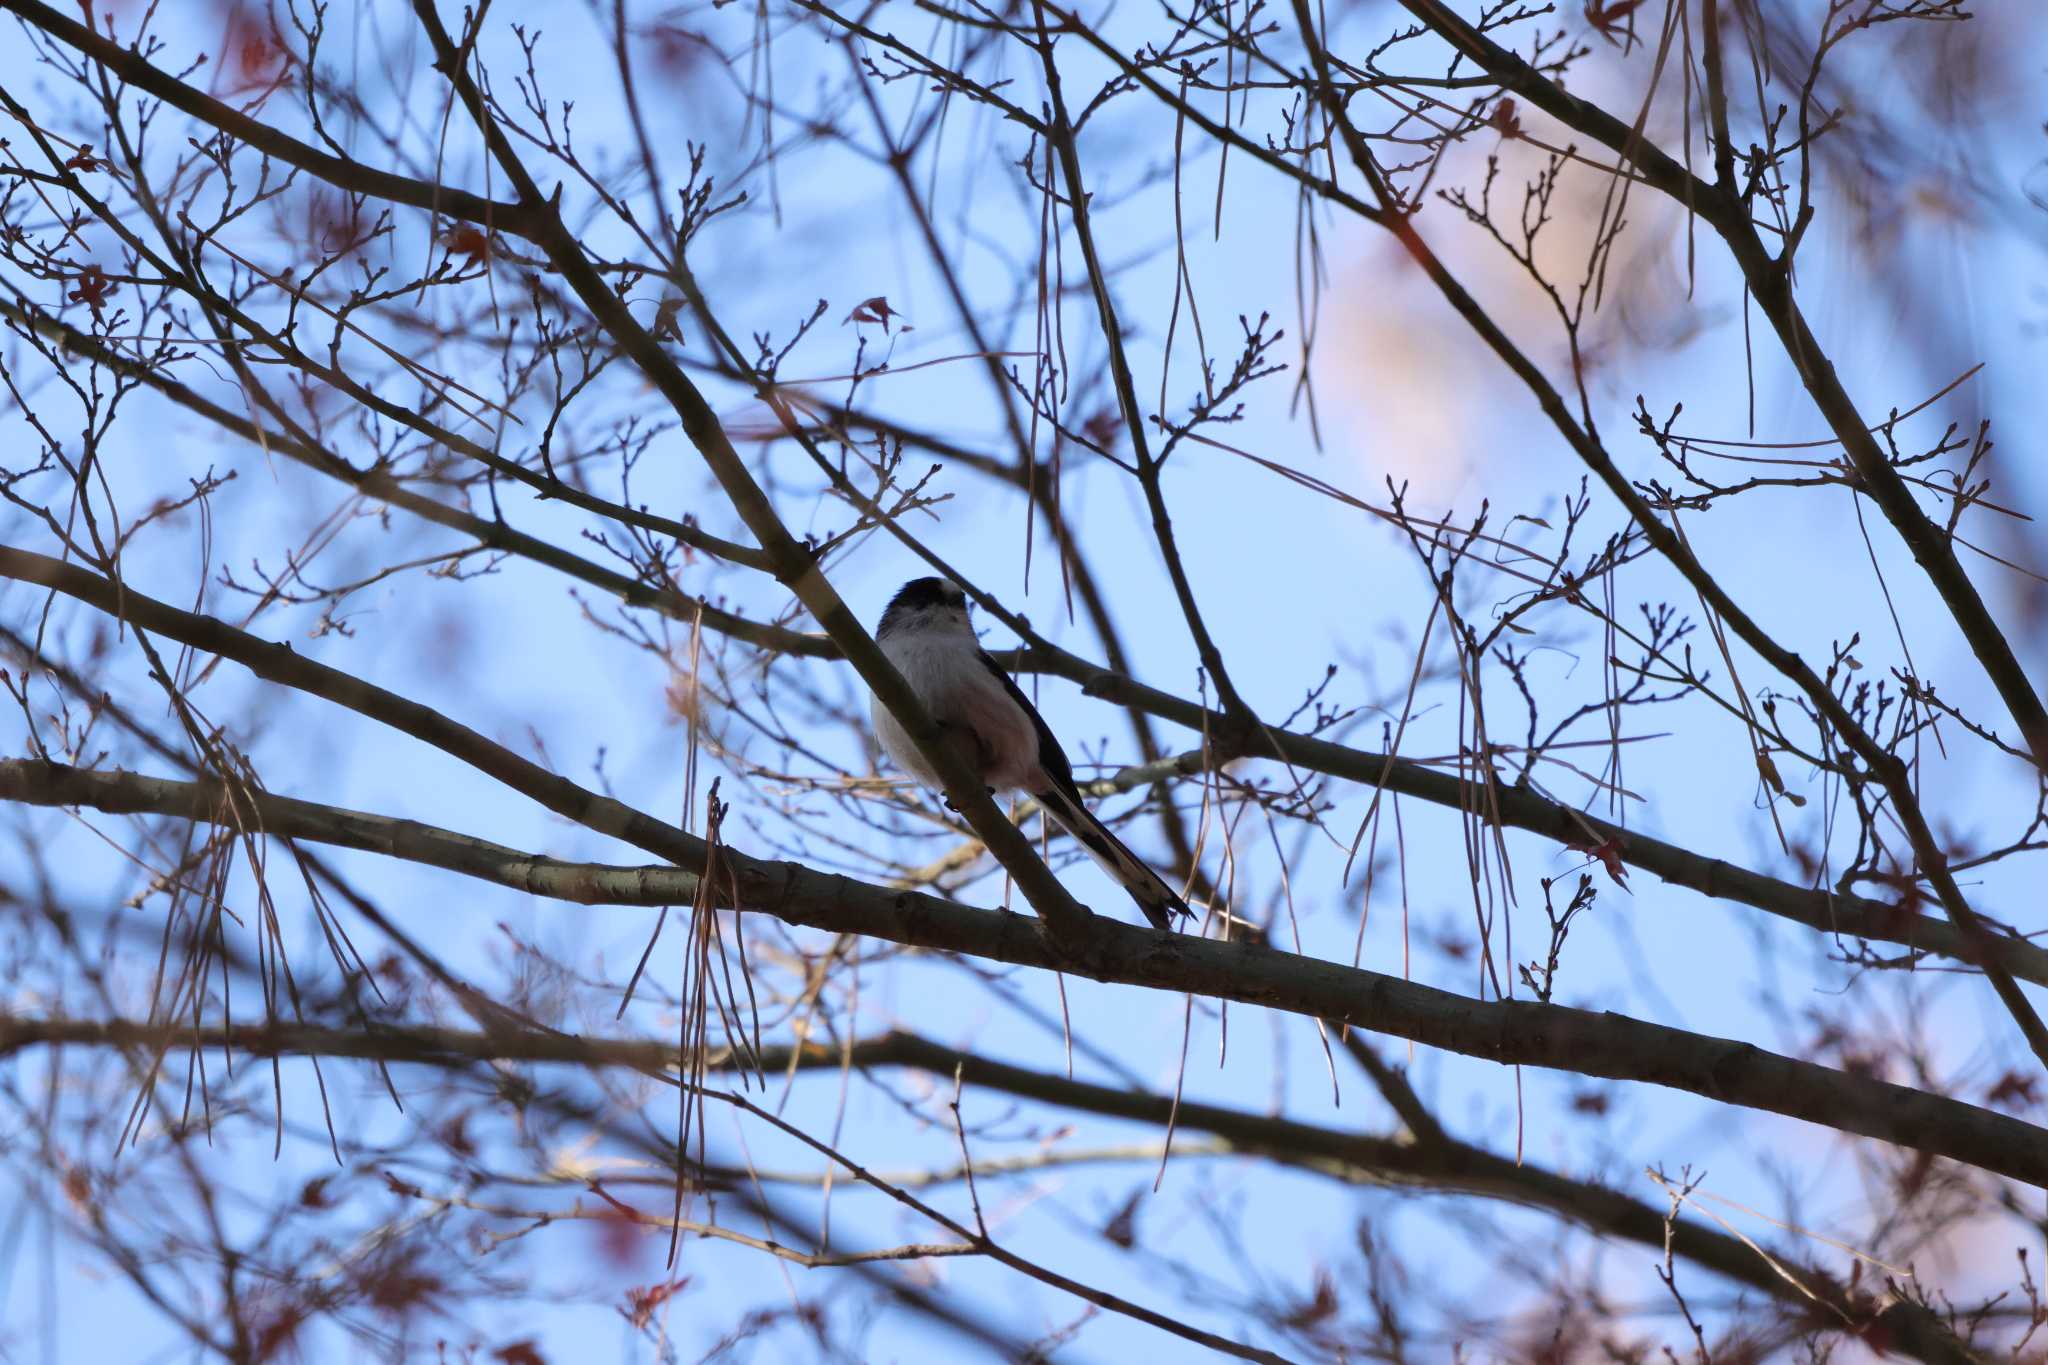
<point x="928" y="592"/>
<point x="918" y="597"/>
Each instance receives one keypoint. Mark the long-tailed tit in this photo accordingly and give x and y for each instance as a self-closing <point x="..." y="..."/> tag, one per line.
<point x="926" y="634"/>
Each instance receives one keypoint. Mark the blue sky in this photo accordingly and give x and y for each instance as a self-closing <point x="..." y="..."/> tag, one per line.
<point x="1289" y="582"/>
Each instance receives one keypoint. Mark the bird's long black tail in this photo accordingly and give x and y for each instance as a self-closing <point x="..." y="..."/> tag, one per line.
<point x="1158" y="900"/>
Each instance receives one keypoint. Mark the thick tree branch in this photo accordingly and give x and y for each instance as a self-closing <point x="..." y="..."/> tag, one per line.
<point x="1827" y="911"/>
<point x="1509" y="1031"/>
<point x="173" y="201"/>
<point x="1446" y="1167"/>
<point x="1519" y="807"/>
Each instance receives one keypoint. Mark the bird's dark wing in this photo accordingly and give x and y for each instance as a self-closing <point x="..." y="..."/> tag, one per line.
<point x="1161" y="903"/>
<point x="1051" y="756"/>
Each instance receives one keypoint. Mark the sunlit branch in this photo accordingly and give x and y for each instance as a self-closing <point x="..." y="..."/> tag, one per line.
<point x="1510" y="1031"/>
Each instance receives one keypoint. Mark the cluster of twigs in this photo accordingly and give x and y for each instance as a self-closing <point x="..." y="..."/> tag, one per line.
<point x="349" y="385"/>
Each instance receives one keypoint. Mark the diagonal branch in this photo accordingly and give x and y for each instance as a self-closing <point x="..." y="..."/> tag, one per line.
<point x="1859" y="916"/>
<point x="1519" y="807"/>
<point x="130" y="66"/>
<point x="1770" y="283"/>
<point x="792" y="564"/>
<point x="1886" y="767"/>
<point x="490" y="533"/>
<point x="1061" y="135"/>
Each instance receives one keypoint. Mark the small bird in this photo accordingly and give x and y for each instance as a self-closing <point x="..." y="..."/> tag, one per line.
<point x="925" y="633"/>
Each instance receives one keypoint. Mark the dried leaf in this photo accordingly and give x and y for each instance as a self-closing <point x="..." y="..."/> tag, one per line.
<point x="1122" y="1228"/>
<point x="2013" y="1090"/>
<point x="642" y="1301"/>
<point x="876" y="309"/>
<point x="1609" y="16"/>
<point x="1608" y="854"/>
<point x="1103" y="427"/>
<point x="467" y="241"/>
<point x="93" y="286"/>
<point x="1320" y="1308"/>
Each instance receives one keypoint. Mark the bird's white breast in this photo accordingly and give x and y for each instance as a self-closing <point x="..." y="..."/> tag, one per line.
<point x="945" y="669"/>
